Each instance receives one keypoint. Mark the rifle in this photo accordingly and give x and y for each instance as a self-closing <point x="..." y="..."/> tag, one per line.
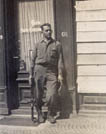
<point x="33" y="100"/>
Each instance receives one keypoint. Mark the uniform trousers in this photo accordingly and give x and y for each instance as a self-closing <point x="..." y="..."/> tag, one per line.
<point x="46" y="87"/>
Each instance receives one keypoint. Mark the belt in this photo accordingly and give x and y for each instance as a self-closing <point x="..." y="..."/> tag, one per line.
<point x="46" y="65"/>
<point x="43" y="64"/>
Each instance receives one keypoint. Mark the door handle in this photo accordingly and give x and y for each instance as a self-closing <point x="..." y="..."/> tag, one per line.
<point x="16" y="57"/>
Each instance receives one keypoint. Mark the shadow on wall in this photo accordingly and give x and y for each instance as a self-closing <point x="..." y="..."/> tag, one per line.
<point x="65" y="100"/>
<point x="66" y="104"/>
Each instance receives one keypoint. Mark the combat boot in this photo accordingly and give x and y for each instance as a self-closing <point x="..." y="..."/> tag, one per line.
<point x="51" y="118"/>
<point x="40" y="117"/>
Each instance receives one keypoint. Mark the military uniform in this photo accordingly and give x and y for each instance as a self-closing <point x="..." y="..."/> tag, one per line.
<point x="46" y="65"/>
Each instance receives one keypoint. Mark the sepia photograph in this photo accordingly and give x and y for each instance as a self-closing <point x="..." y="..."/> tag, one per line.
<point x="52" y="66"/>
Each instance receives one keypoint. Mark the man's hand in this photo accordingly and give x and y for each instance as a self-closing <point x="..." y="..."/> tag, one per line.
<point x="60" y="79"/>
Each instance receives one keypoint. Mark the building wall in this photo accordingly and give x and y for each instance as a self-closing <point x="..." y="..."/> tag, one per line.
<point x="91" y="46"/>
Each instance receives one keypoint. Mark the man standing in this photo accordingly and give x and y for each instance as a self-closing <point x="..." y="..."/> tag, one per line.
<point x="46" y="69"/>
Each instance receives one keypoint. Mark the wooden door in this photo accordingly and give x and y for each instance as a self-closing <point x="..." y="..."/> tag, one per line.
<point x="65" y="34"/>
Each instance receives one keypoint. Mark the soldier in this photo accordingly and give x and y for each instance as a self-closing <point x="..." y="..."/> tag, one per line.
<point x="46" y="69"/>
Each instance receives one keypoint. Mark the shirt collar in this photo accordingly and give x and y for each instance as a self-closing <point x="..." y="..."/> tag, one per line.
<point x="49" y="41"/>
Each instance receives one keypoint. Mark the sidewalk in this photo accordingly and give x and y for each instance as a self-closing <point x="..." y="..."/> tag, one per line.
<point x="79" y="124"/>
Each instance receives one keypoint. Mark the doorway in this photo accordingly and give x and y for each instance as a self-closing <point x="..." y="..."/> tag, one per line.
<point x="28" y="16"/>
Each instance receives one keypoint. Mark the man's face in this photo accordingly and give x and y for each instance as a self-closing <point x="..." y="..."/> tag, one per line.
<point x="47" y="32"/>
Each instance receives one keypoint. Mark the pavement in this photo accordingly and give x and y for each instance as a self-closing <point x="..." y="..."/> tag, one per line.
<point x="76" y="124"/>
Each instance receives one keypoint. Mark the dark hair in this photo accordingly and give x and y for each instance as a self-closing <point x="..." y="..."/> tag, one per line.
<point x="45" y="24"/>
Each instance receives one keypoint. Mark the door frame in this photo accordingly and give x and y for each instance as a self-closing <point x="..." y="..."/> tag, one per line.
<point x="71" y="12"/>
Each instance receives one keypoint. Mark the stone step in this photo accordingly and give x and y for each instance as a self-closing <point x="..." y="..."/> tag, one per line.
<point x="25" y="110"/>
<point x="21" y="111"/>
<point x="92" y="112"/>
<point x="93" y="107"/>
<point x="23" y="74"/>
<point x="99" y="99"/>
